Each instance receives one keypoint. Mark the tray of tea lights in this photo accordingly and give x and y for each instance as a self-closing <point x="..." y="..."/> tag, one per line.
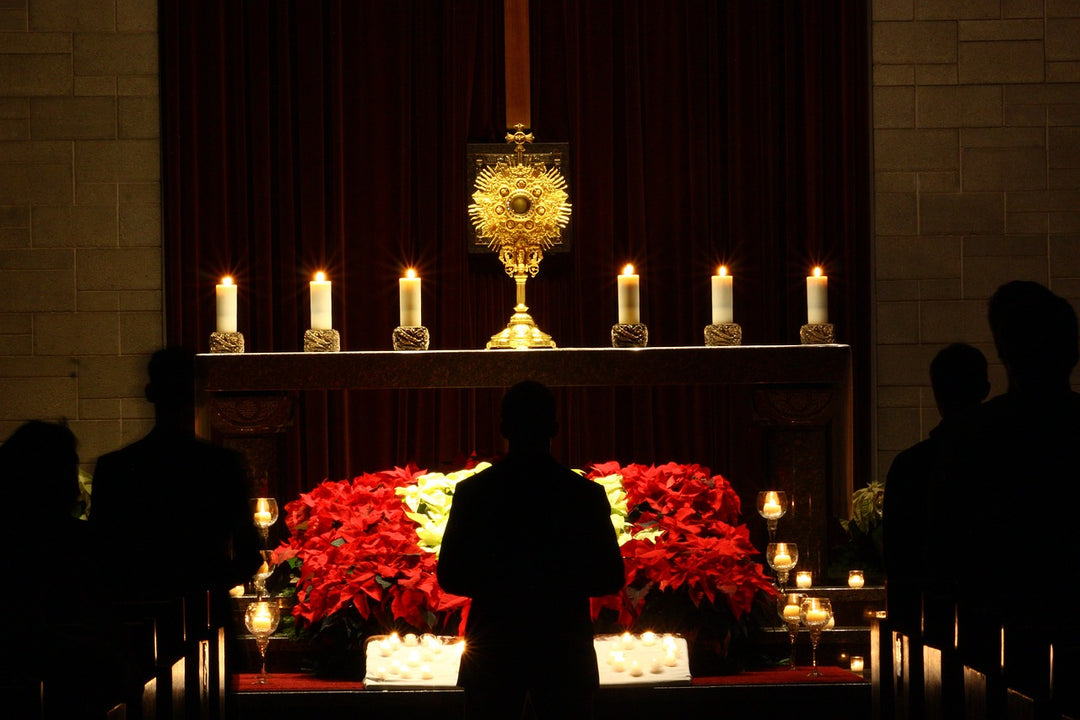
<point x="645" y="659"/>
<point x="412" y="661"/>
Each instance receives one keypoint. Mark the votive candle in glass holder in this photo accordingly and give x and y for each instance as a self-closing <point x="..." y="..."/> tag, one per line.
<point x="804" y="579"/>
<point x="855" y="579"/>
<point x="857" y="664"/>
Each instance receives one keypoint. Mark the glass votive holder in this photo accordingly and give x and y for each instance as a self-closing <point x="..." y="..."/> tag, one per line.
<point x="857" y="664"/>
<point x="804" y="579"/>
<point x="855" y="579"/>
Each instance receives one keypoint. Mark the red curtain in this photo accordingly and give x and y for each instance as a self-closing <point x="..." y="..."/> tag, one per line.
<point x="331" y="135"/>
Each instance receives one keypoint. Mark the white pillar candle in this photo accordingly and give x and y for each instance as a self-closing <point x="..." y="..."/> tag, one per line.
<point x="629" y="298"/>
<point x="226" y="306"/>
<point x="321" y="306"/>
<point x="817" y="298"/>
<point x="722" y="297"/>
<point x="409" y="294"/>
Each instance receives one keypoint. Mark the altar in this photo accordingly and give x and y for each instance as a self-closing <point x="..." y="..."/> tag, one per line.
<point x="793" y="432"/>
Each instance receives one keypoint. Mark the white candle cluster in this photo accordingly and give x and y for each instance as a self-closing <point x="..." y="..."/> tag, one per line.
<point x="634" y="656"/>
<point x="417" y="660"/>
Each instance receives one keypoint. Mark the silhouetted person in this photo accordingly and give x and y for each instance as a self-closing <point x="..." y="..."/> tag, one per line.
<point x="959" y="379"/>
<point x="530" y="542"/>
<point x="59" y="628"/>
<point x="174" y="508"/>
<point x="1011" y="477"/>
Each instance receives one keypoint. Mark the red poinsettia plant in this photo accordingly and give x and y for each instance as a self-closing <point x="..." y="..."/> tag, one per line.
<point x="368" y="547"/>
<point x="355" y="548"/>
<point x="688" y="541"/>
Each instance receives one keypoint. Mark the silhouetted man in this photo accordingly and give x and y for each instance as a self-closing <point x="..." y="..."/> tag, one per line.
<point x="174" y="508"/>
<point x="958" y="376"/>
<point x="530" y="542"/>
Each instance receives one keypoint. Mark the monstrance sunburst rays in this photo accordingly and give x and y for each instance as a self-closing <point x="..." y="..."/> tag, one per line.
<point x="520" y="209"/>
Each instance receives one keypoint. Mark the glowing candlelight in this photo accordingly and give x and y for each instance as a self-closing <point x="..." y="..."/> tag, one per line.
<point x="263" y="517"/>
<point x="804" y="579"/>
<point x="856" y="664"/>
<point x="722" y="297"/>
<point x="226" y="305"/>
<point x="648" y="638"/>
<point x="409" y="299"/>
<point x="855" y="579"/>
<point x="791" y="613"/>
<point x="629" y="297"/>
<point x="817" y="297"/>
<point x="321" y="303"/>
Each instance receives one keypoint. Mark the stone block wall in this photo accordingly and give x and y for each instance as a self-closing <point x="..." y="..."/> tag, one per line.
<point x="976" y="115"/>
<point x="80" y="215"/>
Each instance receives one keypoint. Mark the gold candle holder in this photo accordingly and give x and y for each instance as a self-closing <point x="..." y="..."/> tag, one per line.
<point x="414" y="337"/>
<point x="723" y="334"/>
<point x="322" y="341"/>
<point x="629" y="335"/>
<point x="226" y="342"/>
<point x="817" y="334"/>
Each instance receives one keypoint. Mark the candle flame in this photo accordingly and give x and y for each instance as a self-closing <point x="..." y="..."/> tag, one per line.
<point x="261" y="505"/>
<point x="320" y="276"/>
<point x="817" y="272"/>
<point x="628" y="270"/>
<point x="722" y="271"/>
<point x="772" y="497"/>
<point x="227" y="280"/>
<point x="410" y="273"/>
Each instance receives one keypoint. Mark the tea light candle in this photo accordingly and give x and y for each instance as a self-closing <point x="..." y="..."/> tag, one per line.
<point x="393" y="639"/>
<point x="426" y="673"/>
<point x="629" y="297"/>
<point x="635" y="668"/>
<point x="409" y="299"/>
<point x="321" y="303"/>
<point x="721" y="297"/>
<point x="781" y="560"/>
<point x="648" y="638"/>
<point x="411" y="640"/>
<point x="856" y="664"/>
<point x="618" y="661"/>
<point x="855" y="579"/>
<point x="669" y="658"/>
<point x="668" y="643"/>
<point x="791" y="613"/>
<point x="380" y="672"/>
<point x="817" y="298"/>
<point x="262" y="513"/>
<point x="395" y="667"/>
<point x="412" y="658"/>
<point x="771" y="508"/>
<point x="226" y="305"/>
<point x="627" y="640"/>
<point x="804" y="579"/>
<point x="384" y="648"/>
<point x="261" y="622"/>
<point x="655" y="666"/>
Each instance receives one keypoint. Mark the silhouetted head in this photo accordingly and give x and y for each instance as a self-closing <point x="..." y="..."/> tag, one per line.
<point x="39" y="469"/>
<point x="1035" y="333"/>
<point x="959" y="378"/>
<point x="528" y="414"/>
<point x="172" y="379"/>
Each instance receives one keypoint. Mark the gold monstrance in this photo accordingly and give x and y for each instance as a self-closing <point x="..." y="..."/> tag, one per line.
<point x="520" y="208"/>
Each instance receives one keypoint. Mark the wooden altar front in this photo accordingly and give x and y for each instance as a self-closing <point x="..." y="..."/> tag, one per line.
<point x="791" y="428"/>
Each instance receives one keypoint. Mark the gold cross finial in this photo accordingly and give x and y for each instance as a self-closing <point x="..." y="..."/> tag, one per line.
<point x="520" y="137"/>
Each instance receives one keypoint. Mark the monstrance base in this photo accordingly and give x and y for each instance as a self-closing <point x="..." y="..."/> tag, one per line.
<point x="521" y="333"/>
<point x="817" y="334"/>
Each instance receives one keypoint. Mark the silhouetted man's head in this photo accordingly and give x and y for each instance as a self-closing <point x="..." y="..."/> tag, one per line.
<point x="39" y="467"/>
<point x="1035" y="333"/>
<point x="528" y="413"/>
<point x="959" y="378"/>
<point x="172" y="379"/>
